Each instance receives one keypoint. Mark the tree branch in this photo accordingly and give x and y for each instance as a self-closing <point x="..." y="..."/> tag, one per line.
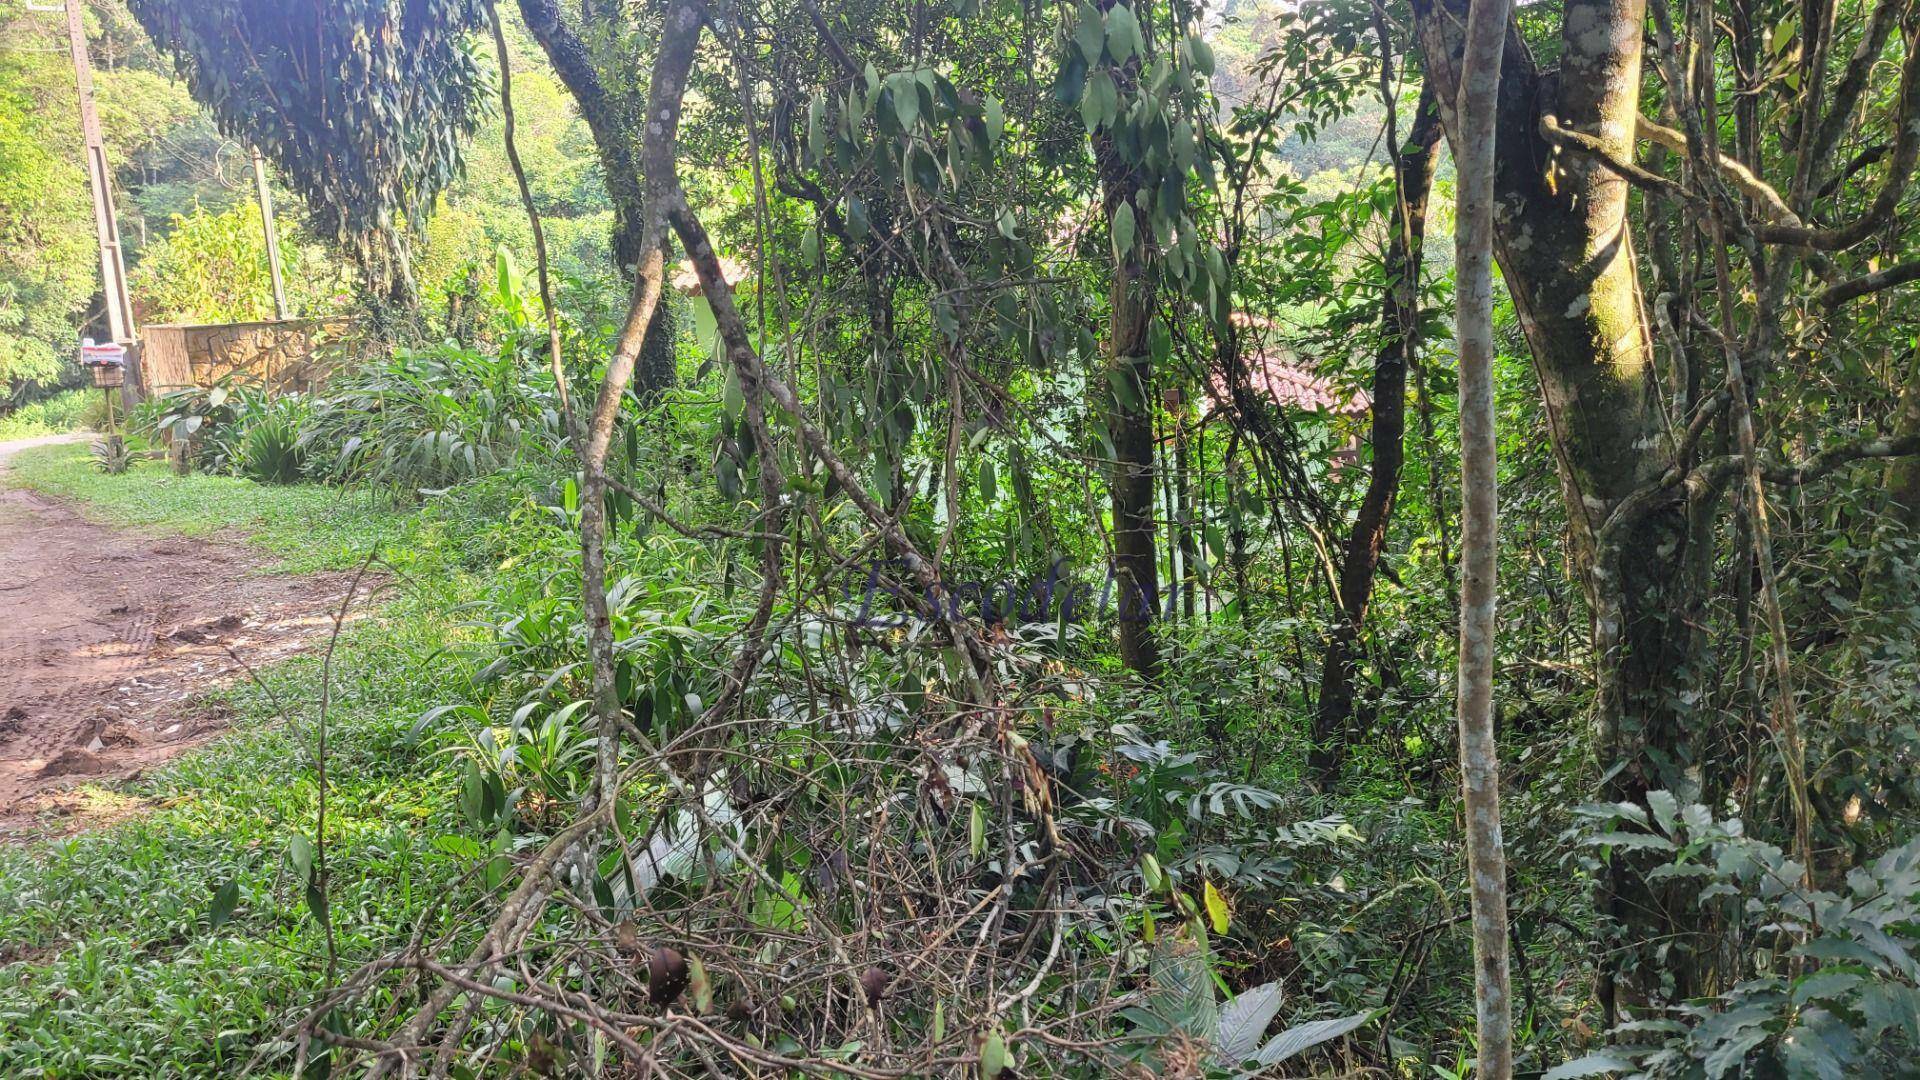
<point x="1854" y="288"/>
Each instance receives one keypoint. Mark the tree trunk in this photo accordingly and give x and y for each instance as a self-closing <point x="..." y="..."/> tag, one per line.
<point x="1592" y="353"/>
<point x="1136" y="569"/>
<point x="1400" y="317"/>
<point x="1130" y="482"/>
<point x="1479" y="535"/>
<point x="673" y="64"/>
<point x="615" y="142"/>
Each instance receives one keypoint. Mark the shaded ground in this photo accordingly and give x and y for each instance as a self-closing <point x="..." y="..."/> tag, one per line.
<point x="107" y="636"/>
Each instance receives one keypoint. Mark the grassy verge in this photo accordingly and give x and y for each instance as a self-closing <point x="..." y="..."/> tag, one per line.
<point x="307" y="527"/>
<point x="110" y="962"/>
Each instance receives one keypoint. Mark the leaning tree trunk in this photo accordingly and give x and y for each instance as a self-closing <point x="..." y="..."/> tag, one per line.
<point x="617" y="145"/>
<point x="1562" y="240"/>
<point x="1479" y="532"/>
<point x="1400" y="329"/>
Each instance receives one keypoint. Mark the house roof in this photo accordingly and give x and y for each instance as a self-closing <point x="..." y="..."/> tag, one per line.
<point x="1290" y="386"/>
<point x="687" y="282"/>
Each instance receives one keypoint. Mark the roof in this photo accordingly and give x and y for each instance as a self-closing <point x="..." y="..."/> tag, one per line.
<point x="687" y="282"/>
<point x="1290" y="386"/>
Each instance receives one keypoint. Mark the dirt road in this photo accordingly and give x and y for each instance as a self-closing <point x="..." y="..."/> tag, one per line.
<point x="106" y="636"/>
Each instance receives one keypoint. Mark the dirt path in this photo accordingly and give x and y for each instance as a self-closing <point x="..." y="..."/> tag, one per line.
<point x="105" y="636"/>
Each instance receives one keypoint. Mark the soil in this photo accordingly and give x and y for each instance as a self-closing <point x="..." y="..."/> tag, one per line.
<point x="107" y="637"/>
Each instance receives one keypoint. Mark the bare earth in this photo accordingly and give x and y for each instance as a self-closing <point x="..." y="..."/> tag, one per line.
<point x="105" y="636"/>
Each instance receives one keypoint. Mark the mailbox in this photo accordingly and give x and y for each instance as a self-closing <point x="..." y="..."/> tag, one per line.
<point x="107" y="362"/>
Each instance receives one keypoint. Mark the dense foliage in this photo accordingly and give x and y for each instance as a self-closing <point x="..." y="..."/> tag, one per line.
<point x="1022" y="642"/>
<point x="362" y="106"/>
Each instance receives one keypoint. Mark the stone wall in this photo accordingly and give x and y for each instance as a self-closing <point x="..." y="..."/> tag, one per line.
<point x="277" y="354"/>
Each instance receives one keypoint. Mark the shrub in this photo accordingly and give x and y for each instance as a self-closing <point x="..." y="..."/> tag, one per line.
<point x="427" y="419"/>
<point x="268" y="448"/>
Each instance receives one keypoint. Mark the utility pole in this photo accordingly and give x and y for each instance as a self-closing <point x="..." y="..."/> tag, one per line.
<point x="273" y="239"/>
<point x="113" y="266"/>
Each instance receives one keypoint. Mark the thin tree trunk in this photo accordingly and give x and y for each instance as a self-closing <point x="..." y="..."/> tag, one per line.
<point x="1400" y="315"/>
<point x="1479" y="543"/>
<point x="1186" y="518"/>
<point x="680" y="33"/>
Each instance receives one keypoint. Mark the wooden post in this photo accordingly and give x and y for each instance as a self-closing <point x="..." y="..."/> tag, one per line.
<point x="273" y="239"/>
<point x="113" y="267"/>
<point x="106" y="225"/>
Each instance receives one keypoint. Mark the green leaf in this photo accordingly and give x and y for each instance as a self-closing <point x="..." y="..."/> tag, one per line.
<point x="1297" y="1040"/>
<point x="995" y="120"/>
<point x="1124" y="228"/>
<point x="1732" y="1052"/>
<point x="905" y="92"/>
<point x="989" y="485"/>
<point x="1202" y="54"/>
<point x="816" y="127"/>
<point x="1088" y="32"/>
<point x="300" y="855"/>
<point x="1665" y="809"/>
<point x="993" y="1056"/>
<point x="977" y="831"/>
<point x="1101" y="102"/>
<point x="700" y="987"/>
<point x="1824" y="986"/>
<point x="1632" y="841"/>
<point x="225" y="899"/>
<point x="1123" y="34"/>
<point x="1244" y="1019"/>
<point x="1598" y="1063"/>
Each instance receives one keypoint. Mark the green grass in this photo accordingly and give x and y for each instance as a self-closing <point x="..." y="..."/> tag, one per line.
<point x="72" y="410"/>
<point x="108" y="963"/>
<point x="308" y="527"/>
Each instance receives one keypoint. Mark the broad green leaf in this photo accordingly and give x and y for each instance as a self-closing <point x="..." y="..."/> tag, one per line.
<point x="1598" y="1063"/>
<point x="993" y="1056"/>
<point x="905" y="92"/>
<point x="1202" y="54"/>
<point x="1088" y="32"/>
<point x="225" y="899"/>
<point x="1124" y="228"/>
<point x="1244" y="1019"/>
<point x="1123" y="33"/>
<point x="1297" y="1040"/>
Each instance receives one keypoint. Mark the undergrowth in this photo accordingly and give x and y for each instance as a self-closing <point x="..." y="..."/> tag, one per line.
<point x="71" y="410"/>
<point x="113" y="958"/>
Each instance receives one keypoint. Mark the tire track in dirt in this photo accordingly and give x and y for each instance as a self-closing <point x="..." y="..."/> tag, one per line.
<point x="107" y="637"/>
